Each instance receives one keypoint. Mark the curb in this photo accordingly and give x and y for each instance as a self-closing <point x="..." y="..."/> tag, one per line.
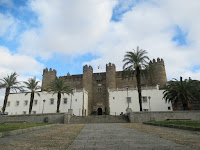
<point x="21" y="131"/>
<point x="173" y="126"/>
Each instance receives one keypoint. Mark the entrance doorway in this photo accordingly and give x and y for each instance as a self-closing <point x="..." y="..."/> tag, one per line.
<point x="99" y="111"/>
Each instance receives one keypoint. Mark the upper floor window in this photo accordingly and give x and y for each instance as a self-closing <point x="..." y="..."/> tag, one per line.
<point x="144" y="99"/>
<point x="25" y="103"/>
<point x="17" y="103"/>
<point x="8" y="103"/>
<point x="99" y="90"/>
<point x="51" y="101"/>
<point x="35" y="102"/>
<point x="65" y="101"/>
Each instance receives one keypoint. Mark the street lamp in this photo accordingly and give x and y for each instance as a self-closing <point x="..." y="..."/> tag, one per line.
<point x="127" y="87"/>
<point x="149" y="103"/>
<point x="43" y="106"/>
<point x="71" y="97"/>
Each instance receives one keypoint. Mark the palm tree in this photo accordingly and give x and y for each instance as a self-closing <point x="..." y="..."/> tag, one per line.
<point x="134" y="62"/>
<point x="182" y="92"/>
<point x="9" y="83"/>
<point x="60" y="87"/>
<point x="33" y="86"/>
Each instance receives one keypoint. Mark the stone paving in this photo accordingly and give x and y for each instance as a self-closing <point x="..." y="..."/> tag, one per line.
<point x="114" y="136"/>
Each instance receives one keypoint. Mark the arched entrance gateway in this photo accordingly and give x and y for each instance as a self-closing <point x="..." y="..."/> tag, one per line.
<point x="99" y="111"/>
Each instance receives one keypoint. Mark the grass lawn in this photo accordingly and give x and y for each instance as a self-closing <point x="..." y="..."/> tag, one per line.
<point x="15" y="126"/>
<point x="180" y="123"/>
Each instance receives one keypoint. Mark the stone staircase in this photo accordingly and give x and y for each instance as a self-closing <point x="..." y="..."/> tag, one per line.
<point x="98" y="119"/>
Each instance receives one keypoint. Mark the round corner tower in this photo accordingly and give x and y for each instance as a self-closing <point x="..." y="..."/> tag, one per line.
<point x="159" y="73"/>
<point x="48" y="77"/>
<point x="110" y="76"/>
<point x="87" y="84"/>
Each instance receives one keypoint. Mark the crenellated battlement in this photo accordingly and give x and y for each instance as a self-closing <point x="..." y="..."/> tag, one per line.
<point x="158" y="61"/>
<point x="49" y="71"/>
<point x="86" y="67"/>
<point x="110" y="66"/>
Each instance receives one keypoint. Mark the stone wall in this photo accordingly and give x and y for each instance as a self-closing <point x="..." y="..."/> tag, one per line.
<point x="35" y="118"/>
<point x="138" y="117"/>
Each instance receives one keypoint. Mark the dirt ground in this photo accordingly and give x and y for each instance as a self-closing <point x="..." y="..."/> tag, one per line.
<point x="184" y="137"/>
<point x="56" y="138"/>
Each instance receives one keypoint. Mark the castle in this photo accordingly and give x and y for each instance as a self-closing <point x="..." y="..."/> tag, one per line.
<point x="98" y="84"/>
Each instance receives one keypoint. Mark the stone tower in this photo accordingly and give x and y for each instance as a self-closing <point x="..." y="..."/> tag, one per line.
<point x="159" y="76"/>
<point x="87" y="84"/>
<point x="110" y="76"/>
<point x="47" y="78"/>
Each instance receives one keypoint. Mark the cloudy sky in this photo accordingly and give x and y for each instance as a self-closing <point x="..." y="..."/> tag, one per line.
<point x="66" y="34"/>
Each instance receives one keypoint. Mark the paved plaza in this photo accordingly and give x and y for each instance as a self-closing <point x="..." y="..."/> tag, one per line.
<point x="102" y="136"/>
<point x="114" y="137"/>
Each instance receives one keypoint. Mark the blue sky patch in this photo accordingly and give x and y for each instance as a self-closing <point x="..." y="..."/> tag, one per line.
<point x="180" y="37"/>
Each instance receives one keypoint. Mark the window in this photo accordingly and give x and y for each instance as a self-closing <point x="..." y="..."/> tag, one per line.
<point x="144" y="99"/>
<point x="8" y="103"/>
<point x="76" y="100"/>
<point x="17" y="103"/>
<point x="169" y="108"/>
<point x="145" y="110"/>
<point x="65" y="100"/>
<point x="34" y="112"/>
<point x="25" y="103"/>
<point x="35" y="102"/>
<point x="52" y="101"/>
<point x="113" y="97"/>
<point x="99" y="90"/>
<point x="24" y="112"/>
<point x="128" y="99"/>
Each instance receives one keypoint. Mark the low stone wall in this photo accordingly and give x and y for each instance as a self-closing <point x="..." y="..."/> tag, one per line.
<point x="138" y="117"/>
<point x="33" y="118"/>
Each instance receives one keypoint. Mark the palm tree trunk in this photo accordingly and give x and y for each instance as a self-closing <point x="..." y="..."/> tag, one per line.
<point x="58" y="102"/>
<point x="139" y="87"/>
<point x="31" y="102"/>
<point x="7" y="92"/>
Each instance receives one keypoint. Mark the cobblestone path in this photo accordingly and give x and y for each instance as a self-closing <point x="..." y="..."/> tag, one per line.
<point x="53" y="138"/>
<point x="115" y="137"/>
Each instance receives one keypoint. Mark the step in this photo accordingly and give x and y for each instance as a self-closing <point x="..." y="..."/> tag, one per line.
<point x="98" y="119"/>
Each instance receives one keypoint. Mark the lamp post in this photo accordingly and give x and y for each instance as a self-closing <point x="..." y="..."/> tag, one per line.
<point x="71" y="97"/>
<point x="149" y="103"/>
<point x="43" y="106"/>
<point x="127" y="87"/>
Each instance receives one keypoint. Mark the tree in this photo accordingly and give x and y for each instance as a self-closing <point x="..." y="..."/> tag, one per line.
<point x="9" y="83"/>
<point x="33" y="86"/>
<point x="134" y="62"/>
<point x="60" y="87"/>
<point x="182" y="92"/>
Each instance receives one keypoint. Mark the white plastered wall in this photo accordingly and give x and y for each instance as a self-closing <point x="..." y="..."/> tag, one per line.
<point x="47" y="107"/>
<point x="118" y="102"/>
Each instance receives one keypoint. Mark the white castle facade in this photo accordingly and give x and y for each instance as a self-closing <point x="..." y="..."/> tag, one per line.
<point x="152" y="100"/>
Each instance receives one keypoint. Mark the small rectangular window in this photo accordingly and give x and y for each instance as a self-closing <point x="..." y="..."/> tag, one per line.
<point x="8" y="103"/>
<point x="65" y="101"/>
<point x="34" y="112"/>
<point x="35" y="102"/>
<point x="52" y="101"/>
<point x="17" y="103"/>
<point x="113" y="97"/>
<point x="99" y="90"/>
<point x="144" y="99"/>
<point x="25" y="103"/>
<point x="24" y="112"/>
<point x="169" y="108"/>
<point x="76" y="100"/>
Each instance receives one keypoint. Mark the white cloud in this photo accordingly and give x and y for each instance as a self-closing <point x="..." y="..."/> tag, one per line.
<point x="77" y="27"/>
<point x="69" y="27"/>
<point x="25" y="66"/>
<point x="150" y="25"/>
<point x="8" y="27"/>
